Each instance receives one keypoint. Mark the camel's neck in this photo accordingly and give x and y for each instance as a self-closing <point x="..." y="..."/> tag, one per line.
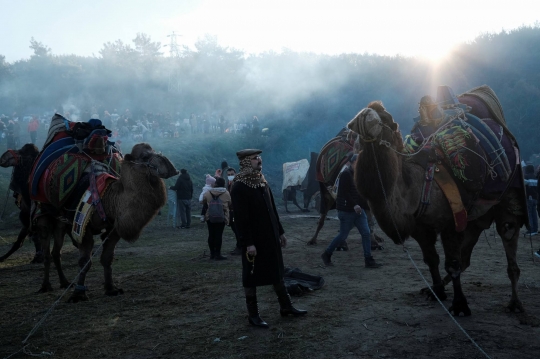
<point x="387" y="182"/>
<point x="134" y="200"/>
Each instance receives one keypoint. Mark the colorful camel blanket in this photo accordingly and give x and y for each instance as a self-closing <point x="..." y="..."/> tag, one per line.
<point x="59" y="180"/>
<point x="334" y="155"/>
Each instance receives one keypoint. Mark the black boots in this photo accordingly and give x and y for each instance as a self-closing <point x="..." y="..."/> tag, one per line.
<point x="370" y="263"/>
<point x="286" y="307"/>
<point x="253" y="308"/>
<point x="216" y="254"/>
<point x="326" y="258"/>
<point x="285" y="304"/>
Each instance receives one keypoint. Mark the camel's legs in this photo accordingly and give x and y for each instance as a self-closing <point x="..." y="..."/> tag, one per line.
<point x="85" y="263"/>
<point x="327" y="201"/>
<point x="59" y="233"/>
<point x="44" y="230"/>
<point x="320" y="224"/>
<point x="508" y="227"/>
<point x="106" y="260"/>
<point x="452" y="243"/>
<point x="426" y="239"/>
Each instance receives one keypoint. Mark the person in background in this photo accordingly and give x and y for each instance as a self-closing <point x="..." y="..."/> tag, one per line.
<point x="215" y="229"/>
<point x="261" y="236"/>
<point x="531" y="186"/>
<point x="537" y="253"/>
<point x="184" y="193"/>
<point x="349" y="205"/>
<point x="231" y="173"/>
<point x="33" y="126"/>
<point x="208" y="185"/>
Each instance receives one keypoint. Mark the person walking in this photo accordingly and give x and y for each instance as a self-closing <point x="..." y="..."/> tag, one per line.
<point x="184" y="193"/>
<point x="33" y="126"/>
<point x="218" y="201"/>
<point x="261" y="236"/>
<point x="349" y="205"/>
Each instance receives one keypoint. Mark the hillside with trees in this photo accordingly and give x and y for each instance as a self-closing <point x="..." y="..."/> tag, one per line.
<point x="302" y="98"/>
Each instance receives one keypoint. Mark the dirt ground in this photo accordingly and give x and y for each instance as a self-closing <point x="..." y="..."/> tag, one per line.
<point x="179" y="304"/>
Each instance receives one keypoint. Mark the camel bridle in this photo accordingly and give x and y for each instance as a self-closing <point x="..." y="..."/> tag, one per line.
<point x="152" y="164"/>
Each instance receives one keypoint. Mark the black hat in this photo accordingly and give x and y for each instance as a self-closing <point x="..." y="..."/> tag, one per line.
<point x="248" y="152"/>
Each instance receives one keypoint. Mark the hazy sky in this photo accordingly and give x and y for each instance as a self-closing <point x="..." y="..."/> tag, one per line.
<point x="407" y="27"/>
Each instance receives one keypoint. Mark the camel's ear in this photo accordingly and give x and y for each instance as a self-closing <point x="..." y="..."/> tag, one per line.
<point x="128" y="157"/>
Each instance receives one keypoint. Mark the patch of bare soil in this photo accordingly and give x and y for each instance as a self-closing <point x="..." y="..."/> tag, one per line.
<point x="179" y="304"/>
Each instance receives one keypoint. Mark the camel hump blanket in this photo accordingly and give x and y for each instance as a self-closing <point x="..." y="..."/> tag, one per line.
<point x="69" y="148"/>
<point x="334" y="155"/>
<point x="467" y="134"/>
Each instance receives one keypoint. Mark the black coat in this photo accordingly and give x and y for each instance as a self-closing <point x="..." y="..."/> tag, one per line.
<point x="348" y="196"/>
<point x="257" y="223"/>
<point x="183" y="187"/>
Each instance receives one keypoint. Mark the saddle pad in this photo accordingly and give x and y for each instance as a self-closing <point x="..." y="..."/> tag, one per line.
<point x="48" y="156"/>
<point x="62" y="176"/>
<point x="331" y="158"/>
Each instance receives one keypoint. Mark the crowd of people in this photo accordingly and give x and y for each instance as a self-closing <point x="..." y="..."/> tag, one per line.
<point x="142" y="126"/>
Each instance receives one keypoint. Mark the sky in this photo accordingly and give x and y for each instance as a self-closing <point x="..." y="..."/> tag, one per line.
<point x="420" y="28"/>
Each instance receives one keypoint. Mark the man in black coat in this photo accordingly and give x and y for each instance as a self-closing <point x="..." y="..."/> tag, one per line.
<point x="184" y="193"/>
<point x="261" y="236"/>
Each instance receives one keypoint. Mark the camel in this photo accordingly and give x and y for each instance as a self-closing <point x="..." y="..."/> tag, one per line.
<point x="393" y="185"/>
<point x="129" y="204"/>
<point x="22" y="161"/>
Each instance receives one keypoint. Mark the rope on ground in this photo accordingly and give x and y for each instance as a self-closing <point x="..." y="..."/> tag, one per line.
<point x="42" y="320"/>
<point x="417" y="269"/>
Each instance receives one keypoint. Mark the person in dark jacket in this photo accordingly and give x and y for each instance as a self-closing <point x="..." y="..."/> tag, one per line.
<point x="349" y="205"/>
<point x="184" y="193"/>
<point x="261" y="236"/>
<point x="531" y="186"/>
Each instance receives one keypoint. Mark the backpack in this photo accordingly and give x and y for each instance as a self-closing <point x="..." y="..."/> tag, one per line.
<point x="215" y="210"/>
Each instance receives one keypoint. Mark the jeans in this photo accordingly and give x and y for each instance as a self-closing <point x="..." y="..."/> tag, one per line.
<point x="184" y="211"/>
<point x="348" y="220"/>
<point x="533" y="214"/>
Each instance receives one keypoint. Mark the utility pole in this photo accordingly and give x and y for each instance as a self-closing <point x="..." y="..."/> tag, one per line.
<point x="174" y="53"/>
<point x="173" y="45"/>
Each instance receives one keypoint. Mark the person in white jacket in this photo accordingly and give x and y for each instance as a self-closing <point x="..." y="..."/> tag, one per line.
<point x="209" y="184"/>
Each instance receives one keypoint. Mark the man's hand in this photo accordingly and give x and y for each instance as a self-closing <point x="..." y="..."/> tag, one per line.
<point x="283" y="241"/>
<point x="252" y="251"/>
<point x="358" y="209"/>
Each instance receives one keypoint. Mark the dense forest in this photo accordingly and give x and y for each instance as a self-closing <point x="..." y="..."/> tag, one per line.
<point x="303" y="98"/>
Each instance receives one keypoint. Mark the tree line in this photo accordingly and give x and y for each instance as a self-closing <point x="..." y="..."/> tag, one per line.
<point x="302" y="97"/>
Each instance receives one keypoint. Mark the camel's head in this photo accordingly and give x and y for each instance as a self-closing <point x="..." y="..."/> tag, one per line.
<point x="10" y="158"/>
<point x="374" y="123"/>
<point x="159" y="165"/>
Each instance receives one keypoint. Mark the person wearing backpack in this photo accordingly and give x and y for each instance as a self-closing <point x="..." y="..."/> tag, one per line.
<point x="218" y="200"/>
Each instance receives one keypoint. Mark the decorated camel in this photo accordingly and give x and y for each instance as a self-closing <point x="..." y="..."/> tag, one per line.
<point x="457" y="173"/>
<point x="22" y="161"/>
<point x="129" y="203"/>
